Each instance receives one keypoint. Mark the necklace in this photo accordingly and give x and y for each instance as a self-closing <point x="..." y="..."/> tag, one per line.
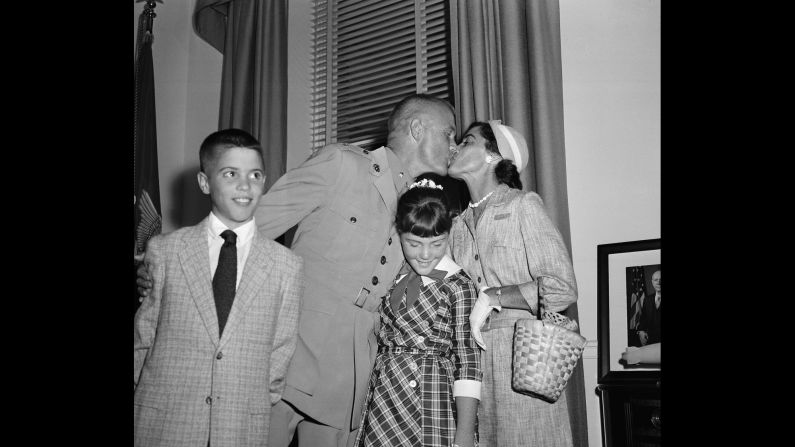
<point x="475" y="205"/>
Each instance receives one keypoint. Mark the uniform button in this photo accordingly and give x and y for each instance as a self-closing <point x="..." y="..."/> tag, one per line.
<point x="383" y="260"/>
<point x="375" y="280"/>
<point x="377" y="168"/>
<point x="220" y="355"/>
<point x="209" y="400"/>
<point x="353" y="219"/>
<point x="389" y="242"/>
<point x="478" y="278"/>
<point x="413" y="366"/>
<point x="477" y="257"/>
<point x="413" y="383"/>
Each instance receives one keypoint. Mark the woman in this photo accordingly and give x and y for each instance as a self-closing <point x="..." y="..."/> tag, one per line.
<point x="509" y="246"/>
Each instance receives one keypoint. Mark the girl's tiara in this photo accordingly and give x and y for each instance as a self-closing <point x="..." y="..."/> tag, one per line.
<point x="425" y="183"/>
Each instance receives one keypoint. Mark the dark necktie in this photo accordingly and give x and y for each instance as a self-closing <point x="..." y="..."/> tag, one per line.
<point x="411" y="284"/>
<point x="225" y="278"/>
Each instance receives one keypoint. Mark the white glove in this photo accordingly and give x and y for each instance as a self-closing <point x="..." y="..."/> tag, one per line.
<point x="480" y="311"/>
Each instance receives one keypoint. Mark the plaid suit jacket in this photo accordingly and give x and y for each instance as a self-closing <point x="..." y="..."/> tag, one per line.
<point x="192" y="385"/>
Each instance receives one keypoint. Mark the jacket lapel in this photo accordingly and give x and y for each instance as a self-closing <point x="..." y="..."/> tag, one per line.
<point x="195" y="262"/>
<point x="256" y="270"/>
<point x="468" y="217"/>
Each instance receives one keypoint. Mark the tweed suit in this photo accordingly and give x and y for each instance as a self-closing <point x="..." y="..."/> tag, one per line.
<point x="192" y="386"/>
<point x="343" y="200"/>
<point x="515" y="243"/>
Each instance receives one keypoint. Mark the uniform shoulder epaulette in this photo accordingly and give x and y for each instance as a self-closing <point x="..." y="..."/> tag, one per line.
<point x="356" y="149"/>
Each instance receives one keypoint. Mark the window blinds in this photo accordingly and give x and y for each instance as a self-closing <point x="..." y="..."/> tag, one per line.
<point x="368" y="55"/>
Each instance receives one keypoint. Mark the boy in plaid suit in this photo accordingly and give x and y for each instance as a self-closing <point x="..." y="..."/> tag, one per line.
<point x="215" y="336"/>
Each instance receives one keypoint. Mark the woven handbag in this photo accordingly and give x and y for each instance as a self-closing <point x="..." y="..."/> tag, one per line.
<point x="545" y="353"/>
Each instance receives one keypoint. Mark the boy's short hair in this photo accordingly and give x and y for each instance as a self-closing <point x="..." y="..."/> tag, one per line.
<point x="423" y="212"/>
<point x="217" y="141"/>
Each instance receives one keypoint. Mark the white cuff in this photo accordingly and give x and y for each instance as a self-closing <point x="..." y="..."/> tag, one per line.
<point x="482" y="288"/>
<point x="466" y="388"/>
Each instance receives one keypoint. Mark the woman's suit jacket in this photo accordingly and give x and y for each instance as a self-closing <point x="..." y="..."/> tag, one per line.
<point x="191" y="385"/>
<point x="516" y="243"/>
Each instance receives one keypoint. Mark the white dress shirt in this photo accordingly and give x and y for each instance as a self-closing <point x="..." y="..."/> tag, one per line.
<point x="245" y="233"/>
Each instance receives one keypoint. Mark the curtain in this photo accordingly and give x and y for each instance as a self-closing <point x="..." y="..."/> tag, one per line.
<point x="507" y="66"/>
<point x="252" y="35"/>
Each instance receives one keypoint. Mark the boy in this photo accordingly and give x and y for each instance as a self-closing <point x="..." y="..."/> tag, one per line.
<point x="214" y="338"/>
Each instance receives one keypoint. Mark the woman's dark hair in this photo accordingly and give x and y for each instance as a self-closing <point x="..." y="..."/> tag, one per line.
<point x="423" y="212"/>
<point x="506" y="170"/>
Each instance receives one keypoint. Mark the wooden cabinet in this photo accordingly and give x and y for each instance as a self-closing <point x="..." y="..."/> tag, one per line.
<point x="630" y="414"/>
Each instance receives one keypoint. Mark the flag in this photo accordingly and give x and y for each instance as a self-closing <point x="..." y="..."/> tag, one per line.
<point x="638" y="285"/>
<point x="146" y="200"/>
<point x="146" y="197"/>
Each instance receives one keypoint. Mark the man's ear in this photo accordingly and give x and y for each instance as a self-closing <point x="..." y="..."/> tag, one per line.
<point x="204" y="182"/>
<point x="416" y="129"/>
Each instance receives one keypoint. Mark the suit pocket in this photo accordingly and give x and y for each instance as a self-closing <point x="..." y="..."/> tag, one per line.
<point x="148" y="421"/>
<point x="258" y="420"/>
<point x="506" y="234"/>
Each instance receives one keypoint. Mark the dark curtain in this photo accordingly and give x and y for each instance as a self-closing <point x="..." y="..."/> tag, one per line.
<point x="146" y="209"/>
<point x="507" y="66"/>
<point x="252" y="35"/>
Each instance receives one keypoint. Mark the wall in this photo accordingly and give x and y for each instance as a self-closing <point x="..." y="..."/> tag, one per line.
<point x="187" y="96"/>
<point x="611" y="103"/>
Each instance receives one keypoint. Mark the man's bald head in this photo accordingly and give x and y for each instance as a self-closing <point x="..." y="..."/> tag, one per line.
<point x="416" y="105"/>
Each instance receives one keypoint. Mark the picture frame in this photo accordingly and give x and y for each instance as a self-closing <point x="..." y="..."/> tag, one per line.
<point x="623" y="286"/>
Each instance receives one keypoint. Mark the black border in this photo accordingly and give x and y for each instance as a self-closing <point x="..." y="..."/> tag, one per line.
<point x="604" y="375"/>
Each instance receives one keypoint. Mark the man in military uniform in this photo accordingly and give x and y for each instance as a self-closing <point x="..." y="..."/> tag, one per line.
<point x="343" y="200"/>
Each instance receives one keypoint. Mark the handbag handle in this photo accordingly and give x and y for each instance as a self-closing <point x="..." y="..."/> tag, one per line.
<point x="538" y="297"/>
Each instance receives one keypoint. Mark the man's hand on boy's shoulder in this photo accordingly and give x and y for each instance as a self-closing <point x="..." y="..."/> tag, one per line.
<point x="144" y="280"/>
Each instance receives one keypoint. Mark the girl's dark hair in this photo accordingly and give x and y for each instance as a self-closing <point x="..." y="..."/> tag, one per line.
<point x="506" y="170"/>
<point x="423" y="212"/>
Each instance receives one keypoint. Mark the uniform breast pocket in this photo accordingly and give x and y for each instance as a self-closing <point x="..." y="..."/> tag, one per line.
<point x="353" y="233"/>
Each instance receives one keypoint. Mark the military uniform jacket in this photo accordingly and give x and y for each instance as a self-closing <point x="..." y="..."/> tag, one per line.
<point x="344" y="200"/>
<point x="191" y="385"/>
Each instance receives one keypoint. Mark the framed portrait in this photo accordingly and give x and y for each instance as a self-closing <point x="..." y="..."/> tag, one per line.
<point x="629" y="303"/>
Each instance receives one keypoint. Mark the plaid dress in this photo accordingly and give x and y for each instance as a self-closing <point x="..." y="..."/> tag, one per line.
<point x="422" y="350"/>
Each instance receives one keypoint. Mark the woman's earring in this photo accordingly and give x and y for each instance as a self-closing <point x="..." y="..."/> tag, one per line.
<point x="490" y="158"/>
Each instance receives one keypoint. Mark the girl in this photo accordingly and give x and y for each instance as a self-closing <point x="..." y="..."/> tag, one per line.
<point x="425" y="386"/>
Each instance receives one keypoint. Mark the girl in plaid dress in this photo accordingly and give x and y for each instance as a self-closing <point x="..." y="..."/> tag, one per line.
<point x="425" y="386"/>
